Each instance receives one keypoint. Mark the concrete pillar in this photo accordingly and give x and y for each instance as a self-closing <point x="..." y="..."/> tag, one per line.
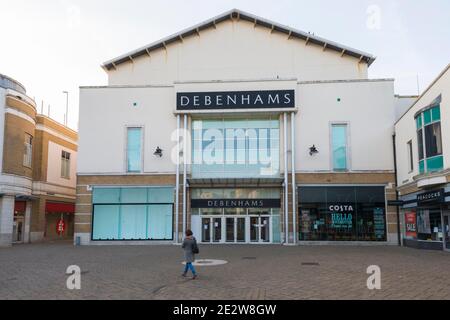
<point x="6" y="220"/>
<point x="27" y="228"/>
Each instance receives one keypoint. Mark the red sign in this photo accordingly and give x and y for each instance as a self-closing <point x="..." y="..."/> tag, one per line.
<point x="60" y="226"/>
<point x="410" y="224"/>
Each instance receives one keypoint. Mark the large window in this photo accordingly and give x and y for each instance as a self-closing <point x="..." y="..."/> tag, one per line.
<point x="339" y="146"/>
<point x="134" y="149"/>
<point x="132" y="213"/>
<point x="342" y="214"/>
<point x="28" y="150"/>
<point x="235" y="148"/>
<point x="429" y="139"/>
<point x="65" y="164"/>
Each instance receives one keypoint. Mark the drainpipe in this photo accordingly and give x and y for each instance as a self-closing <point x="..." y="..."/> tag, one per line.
<point x="294" y="203"/>
<point x="286" y="209"/>
<point x="396" y="191"/>
<point x="177" y="183"/>
<point x="184" y="172"/>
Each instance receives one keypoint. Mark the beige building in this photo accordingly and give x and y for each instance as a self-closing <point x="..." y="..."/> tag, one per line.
<point x="243" y="130"/>
<point x="423" y="166"/>
<point x="38" y="170"/>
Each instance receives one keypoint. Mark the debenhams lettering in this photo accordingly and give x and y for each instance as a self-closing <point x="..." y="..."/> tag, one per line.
<point x="236" y="100"/>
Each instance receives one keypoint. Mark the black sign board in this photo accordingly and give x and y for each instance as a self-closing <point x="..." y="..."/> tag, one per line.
<point x="431" y="197"/>
<point x="235" y="203"/>
<point x="395" y="203"/>
<point x="236" y="100"/>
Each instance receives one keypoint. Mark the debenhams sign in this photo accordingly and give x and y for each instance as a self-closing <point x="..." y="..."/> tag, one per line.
<point x="236" y="100"/>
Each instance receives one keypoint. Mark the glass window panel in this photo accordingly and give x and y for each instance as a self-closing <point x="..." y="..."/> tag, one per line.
<point x="134" y="195"/>
<point x="422" y="166"/>
<point x="133" y="222"/>
<point x="420" y="143"/>
<point x="106" y="222"/>
<point x="339" y="146"/>
<point x="433" y="143"/>
<point x="436" y="113"/>
<point x="419" y="121"/>
<point x="161" y="195"/>
<point x="134" y="141"/>
<point x="106" y="195"/>
<point x="160" y="222"/>
<point x="435" y="164"/>
<point x="427" y="116"/>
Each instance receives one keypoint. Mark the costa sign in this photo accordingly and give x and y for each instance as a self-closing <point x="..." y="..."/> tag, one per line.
<point x="236" y="100"/>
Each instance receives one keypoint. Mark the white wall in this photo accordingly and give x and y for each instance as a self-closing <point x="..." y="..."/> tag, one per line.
<point x="54" y="165"/>
<point x="406" y="129"/>
<point x="237" y="50"/>
<point x="402" y="104"/>
<point x="367" y="106"/>
<point x="104" y="115"/>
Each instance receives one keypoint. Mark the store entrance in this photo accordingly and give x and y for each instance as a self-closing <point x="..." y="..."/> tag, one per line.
<point x="236" y="229"/>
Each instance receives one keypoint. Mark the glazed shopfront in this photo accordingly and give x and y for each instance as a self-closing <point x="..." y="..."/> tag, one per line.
<point x="427" y="219"/>
<point x="235" y="181"/>
<point x="342" y="213"/>
<point x="236" y="215"/>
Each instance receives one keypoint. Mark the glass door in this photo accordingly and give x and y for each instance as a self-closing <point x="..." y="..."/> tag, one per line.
<point x="446" y="229"/>
<point x="235" y="229"/>
<point x="265" y="229"/>
<point x="259" y="229"/>
<point x="217" y="229"/>
<point x="206" y="229"/>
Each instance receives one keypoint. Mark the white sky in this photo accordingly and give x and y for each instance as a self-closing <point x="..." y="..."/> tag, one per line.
<point x="55" y="45"/>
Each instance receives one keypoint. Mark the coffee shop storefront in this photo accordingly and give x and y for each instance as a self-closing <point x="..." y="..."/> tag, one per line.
<point x="342" y="213"/>
<point x="426" y="217"/>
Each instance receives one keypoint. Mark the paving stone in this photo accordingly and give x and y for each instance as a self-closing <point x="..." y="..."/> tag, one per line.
<point x="38" y="271"/>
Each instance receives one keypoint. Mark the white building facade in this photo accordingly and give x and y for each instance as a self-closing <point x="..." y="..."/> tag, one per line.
<point x="243" y="130"/>
<point x="423" y="162"/>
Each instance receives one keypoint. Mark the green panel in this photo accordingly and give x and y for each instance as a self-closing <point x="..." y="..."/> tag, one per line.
<point x="276" y="234"/>
<point x="161" y="195"/>
<point x="133" y="220"/>
<point x="160" y="222"/>
<point x="436" y="113"/>
<point x="427" y="116"/>
<point x="106" y="222"/>
<point x="419" y="121"/>
<point x="106" y="195"/>
<point x="421" y="166"/>
<point x="435" y="164"/>
<point x="134" y="195"/>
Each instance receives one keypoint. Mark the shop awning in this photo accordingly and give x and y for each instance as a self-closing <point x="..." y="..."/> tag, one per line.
<point x="59" y="207"/>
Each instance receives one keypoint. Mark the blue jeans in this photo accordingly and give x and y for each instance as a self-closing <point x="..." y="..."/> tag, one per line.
<point x="190" y="266"/>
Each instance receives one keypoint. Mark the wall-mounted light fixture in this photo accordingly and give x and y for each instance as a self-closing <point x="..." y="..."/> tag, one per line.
<point x="313" y="150"/>
<point x="158" y="152"/>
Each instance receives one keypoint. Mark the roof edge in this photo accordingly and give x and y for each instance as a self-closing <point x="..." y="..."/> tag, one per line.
<point x="238" y="14"/>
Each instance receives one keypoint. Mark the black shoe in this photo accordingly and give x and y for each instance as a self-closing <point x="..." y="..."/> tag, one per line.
<point x="194" y="277"/>
<point x="183" y="274"/>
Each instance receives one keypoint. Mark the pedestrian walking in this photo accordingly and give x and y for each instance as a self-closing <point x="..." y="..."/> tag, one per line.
<point x="190" y="248"/>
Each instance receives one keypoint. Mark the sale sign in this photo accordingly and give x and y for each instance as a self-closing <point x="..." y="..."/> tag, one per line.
<point x="411" y="224"/>
<point x="60" y="226"/>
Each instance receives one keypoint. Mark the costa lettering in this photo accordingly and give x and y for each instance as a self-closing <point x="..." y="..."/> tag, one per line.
<point x="341" y="208"/>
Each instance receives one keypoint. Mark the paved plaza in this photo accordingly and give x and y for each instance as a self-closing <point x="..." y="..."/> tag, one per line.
<point x="38" y="271"/>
